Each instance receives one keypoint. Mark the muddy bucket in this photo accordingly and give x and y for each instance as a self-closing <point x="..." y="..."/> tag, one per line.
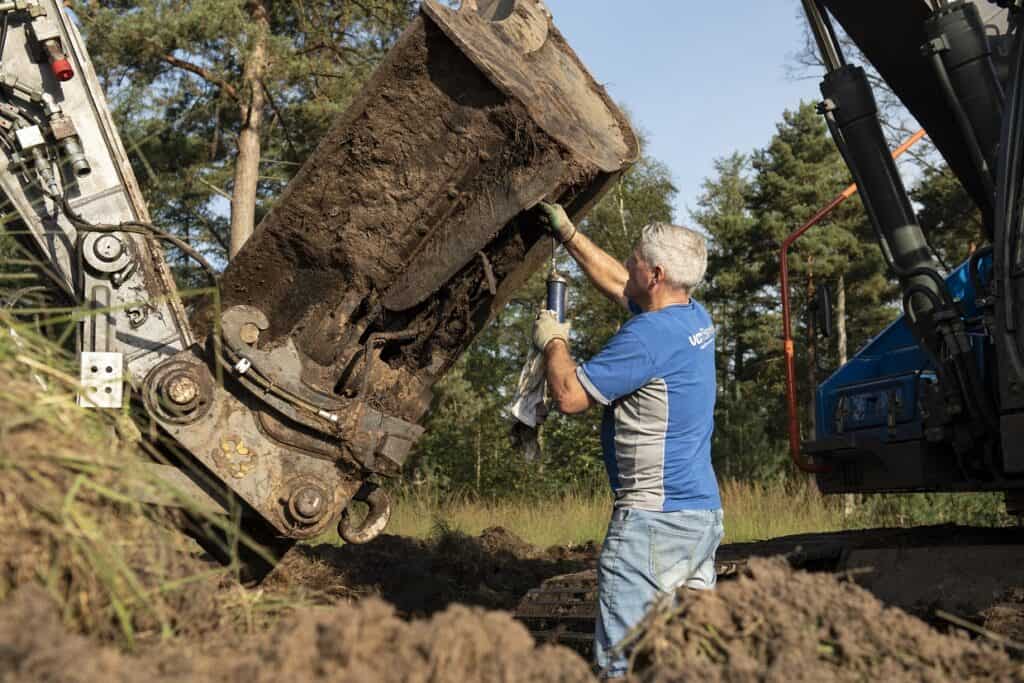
<point x="409" y="224"/>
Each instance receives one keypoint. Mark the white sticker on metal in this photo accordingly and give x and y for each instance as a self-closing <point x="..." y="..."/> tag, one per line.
<point x="102" y="380"/>
<point x="29" y="137"/>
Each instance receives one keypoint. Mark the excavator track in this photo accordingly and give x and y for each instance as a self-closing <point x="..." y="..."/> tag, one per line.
<point x="563" y="609"/>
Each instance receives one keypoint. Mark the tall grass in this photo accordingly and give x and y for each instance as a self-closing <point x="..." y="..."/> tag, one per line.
<point x="571" y="519"/>
<point x="756" y="511"/>
<point x="753" y="511"/>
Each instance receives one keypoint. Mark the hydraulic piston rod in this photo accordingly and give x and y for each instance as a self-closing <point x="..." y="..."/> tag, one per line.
<point x="824" y="36"/>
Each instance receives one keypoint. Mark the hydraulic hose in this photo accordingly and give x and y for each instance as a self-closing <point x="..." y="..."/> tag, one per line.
<point x="138" y="228"/>
<point x="969" y="136"/>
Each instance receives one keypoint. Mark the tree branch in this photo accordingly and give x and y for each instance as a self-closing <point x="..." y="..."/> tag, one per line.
<point x="277" y="113"/>
<point x="205" y="74"/>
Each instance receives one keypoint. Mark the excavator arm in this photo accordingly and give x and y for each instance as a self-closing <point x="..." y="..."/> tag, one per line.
<point x="399" y="238"/>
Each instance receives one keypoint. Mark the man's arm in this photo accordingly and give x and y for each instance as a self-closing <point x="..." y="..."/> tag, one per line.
<point x="560" y="370"/>
<point x="607" y="274"/>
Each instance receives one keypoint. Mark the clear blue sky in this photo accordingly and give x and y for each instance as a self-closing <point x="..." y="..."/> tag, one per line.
<point x="701" y="79"/>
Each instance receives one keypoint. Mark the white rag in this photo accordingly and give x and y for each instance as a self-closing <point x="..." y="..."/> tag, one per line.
<point x="530" y="391"/>
<point x="528" y="406"/>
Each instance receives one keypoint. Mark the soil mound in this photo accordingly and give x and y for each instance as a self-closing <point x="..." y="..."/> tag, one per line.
<point x="363" y="641"/>
<point x="351" y="642"/>
<point x="775" y="624"/>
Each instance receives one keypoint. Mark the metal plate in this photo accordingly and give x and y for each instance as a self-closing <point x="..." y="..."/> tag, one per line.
<point x="102" y="380"/>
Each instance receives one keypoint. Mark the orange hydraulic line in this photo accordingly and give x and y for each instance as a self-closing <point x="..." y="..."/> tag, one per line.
<point x="787" y="336"/>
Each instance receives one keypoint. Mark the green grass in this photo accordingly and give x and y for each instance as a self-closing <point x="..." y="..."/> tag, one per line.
<point x="573" y="518"/>
<point x="753" y="511"/>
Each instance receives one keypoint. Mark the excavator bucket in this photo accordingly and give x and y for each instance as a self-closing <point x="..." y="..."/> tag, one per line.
<point x="410" y="224"/>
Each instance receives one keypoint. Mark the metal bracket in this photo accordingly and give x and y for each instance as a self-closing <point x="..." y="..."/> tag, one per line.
<point x="102" y="379"/>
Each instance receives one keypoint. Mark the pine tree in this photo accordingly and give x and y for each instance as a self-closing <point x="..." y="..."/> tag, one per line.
<point x="948" y="215"/>
<point x="743" y="301"/>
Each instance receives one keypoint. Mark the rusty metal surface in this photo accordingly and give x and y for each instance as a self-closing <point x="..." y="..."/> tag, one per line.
<point x="525" y="55"/>
<point x="228" y="441"/>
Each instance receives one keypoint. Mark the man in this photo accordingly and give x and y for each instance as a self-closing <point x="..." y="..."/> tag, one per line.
<point x="656" y="379"/>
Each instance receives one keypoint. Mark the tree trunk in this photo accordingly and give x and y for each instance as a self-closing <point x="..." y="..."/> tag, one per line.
<point x="478" y="459"/>
<point x="247" y="163"/>
<point x="622" y="209"/>
<point x="739" y="368"/>
<point x="850" y="500"/>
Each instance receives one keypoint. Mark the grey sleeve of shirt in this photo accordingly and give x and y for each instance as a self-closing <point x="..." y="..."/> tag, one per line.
<point x="589" y="387"/>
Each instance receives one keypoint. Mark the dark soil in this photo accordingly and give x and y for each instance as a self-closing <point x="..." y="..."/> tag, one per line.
<point x="421" y="578"/>
<point x="399" y="609"/>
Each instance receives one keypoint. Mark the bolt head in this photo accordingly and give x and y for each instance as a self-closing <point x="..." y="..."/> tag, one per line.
<point x="249" y="333"/>
<point x="108" y="248"/>
<point x="308" y="502"/>
<point x="182" y="389"/>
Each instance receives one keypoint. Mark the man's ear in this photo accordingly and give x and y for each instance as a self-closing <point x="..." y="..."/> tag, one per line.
<point x="657" y="275"/>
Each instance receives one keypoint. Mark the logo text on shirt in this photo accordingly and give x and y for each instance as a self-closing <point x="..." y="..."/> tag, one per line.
<point x="703" y="337"/>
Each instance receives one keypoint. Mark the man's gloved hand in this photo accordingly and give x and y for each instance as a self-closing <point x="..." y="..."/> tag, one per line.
<point x="557" y="221"/>
<point x="546" y="329"/>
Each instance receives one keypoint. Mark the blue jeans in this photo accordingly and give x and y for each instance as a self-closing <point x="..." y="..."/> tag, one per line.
<point x="645" y="555"/>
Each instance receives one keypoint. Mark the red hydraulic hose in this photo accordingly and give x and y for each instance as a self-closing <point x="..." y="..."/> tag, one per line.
<point x="787" y="335"/>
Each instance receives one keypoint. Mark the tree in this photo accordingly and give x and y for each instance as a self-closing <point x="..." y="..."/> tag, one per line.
<point x="948" y="215"/>
<point x="743" y="301"/>
<point x="221" y="102"/>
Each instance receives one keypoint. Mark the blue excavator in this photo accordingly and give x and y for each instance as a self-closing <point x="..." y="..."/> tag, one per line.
<point x="935" y="402"/>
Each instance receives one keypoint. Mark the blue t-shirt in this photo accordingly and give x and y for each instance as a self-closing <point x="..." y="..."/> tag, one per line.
<point x="656" y="379"/>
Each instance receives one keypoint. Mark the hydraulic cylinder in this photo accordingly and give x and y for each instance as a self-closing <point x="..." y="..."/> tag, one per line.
<point x="853" y="116"/>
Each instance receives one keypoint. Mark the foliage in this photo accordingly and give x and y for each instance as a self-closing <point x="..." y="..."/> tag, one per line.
<point x="948" y="216"/>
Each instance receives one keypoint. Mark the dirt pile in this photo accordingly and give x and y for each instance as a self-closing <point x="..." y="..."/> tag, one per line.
<point x="364" y="641"/>
<point x="775" y="624"/>
<point x="1006" y="616"/>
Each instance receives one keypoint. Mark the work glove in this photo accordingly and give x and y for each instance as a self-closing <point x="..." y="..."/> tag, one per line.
<point x="546" y="329"/>
<point x="556" y="220"/>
